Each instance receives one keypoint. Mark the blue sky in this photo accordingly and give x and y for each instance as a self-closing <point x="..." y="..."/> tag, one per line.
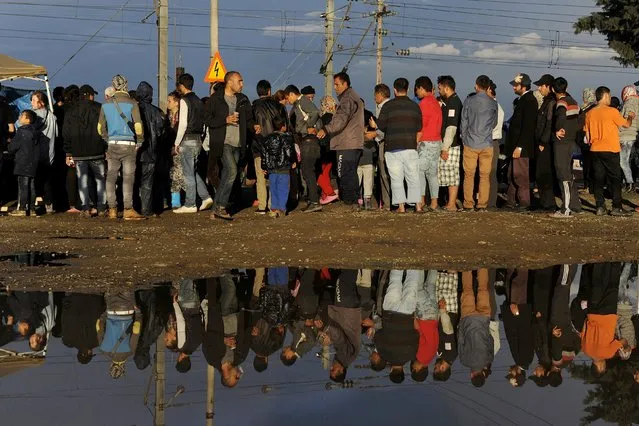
<point x="282" y="41"/>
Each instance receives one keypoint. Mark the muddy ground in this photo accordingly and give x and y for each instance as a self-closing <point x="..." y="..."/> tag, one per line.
<point x="194" y="246"/>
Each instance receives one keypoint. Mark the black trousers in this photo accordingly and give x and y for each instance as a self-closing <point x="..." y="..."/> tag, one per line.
<point x="607" y="166"/>
<point x="545" y="178"/>
<point x="310" y="151"/>
<point x="563" y="167"/>
<point x="589" y="182"/>
<point x="346" y="289"/>
<point x="603" y="287"/>
<point x="347" y="162"/>
<point x="147" y="177"/>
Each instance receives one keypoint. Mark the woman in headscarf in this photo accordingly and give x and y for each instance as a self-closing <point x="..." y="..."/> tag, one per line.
<point x="328" y="105"/>
<point x="590" y="101"/>
<point x="628" y="136"/>
<point x="176" y="173"/>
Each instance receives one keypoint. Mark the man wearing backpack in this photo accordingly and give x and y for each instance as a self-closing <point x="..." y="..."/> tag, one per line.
<point x="120" y="125"/>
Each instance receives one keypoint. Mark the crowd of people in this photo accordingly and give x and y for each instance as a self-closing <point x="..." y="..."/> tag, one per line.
<point x="401" y="320"/>
<point x="126" y="158"/>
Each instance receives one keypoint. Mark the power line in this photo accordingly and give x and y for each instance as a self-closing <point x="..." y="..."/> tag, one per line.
<point x="64" y="64"/>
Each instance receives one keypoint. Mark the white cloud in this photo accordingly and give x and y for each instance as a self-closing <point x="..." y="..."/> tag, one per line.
<point x="531" y="47"/>
<point x="434" y="48"/>
<point x="315" y="14"/>
<point x="276" y="30"/>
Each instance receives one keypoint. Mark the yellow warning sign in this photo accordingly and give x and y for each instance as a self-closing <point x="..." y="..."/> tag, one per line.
<point x="216" y="71"/>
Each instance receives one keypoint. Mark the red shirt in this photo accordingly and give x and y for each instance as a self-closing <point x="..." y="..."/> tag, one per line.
<point x="431" y="119"/>
<point x="428" y="339"/>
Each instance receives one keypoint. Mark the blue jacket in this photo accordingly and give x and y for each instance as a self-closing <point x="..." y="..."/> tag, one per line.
<point x="112" y="127"/>
<point x="478" y="119"/>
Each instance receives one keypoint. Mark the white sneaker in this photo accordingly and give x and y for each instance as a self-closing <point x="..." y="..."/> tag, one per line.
<point x="206" y="204"/>
<point x="185" y="209"/>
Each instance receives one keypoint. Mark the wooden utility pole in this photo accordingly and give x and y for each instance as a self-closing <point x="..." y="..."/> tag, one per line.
<point x="210" y="395"/>
<point x="162" y="11"/>
<point x="214" y="28"/>
<point x="380" y="19"/>
<point x="158" y="418"/>
<point x="330" y="41"/>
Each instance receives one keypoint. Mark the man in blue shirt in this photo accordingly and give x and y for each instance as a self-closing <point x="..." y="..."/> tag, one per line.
<point x="478" y="119"/>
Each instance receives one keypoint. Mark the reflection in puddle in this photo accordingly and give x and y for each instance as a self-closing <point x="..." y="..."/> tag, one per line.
<point x="462" y="342"/>
<point x="37" y="258"/>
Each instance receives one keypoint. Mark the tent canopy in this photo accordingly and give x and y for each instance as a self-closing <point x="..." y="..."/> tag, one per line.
<point x="11" y="68"/>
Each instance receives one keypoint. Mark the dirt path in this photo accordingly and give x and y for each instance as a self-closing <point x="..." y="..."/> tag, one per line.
<point x="193" y="246"/>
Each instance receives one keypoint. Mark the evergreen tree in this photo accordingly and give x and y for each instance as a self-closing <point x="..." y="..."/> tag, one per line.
<point x="617" y="21"/>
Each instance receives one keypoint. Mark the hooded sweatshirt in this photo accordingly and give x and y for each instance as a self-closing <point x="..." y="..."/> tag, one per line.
<point x="631" y="104"/>
<point x="152" y="122"/>
<point x="49" y="127"/>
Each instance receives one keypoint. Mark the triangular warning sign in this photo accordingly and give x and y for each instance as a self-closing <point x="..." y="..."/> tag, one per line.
<point x="216" y="71"/>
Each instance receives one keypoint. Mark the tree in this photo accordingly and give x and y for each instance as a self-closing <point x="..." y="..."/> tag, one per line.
<point x="617" y="21"/>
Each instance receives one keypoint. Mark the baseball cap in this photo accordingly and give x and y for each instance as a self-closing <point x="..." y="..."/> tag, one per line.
<point x="522" y="79"/>
<point x="87" y="90"/>
<point x="307" y="90"/>
<point x="545" y="80"/>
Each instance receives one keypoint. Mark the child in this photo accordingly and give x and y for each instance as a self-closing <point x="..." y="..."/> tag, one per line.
<point x="365" y="170"/>
<point x="25" y="148"/>
<point x="278" y="157"/>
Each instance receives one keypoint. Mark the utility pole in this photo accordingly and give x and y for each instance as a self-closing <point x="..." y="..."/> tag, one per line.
<point x="158" y="419"/>
<point x="214" y="28"/>
<point x="210" y="395"/>
<point x="330" y="41"/>
<point x="162" y="11"/>
<point x="380" y="19"/>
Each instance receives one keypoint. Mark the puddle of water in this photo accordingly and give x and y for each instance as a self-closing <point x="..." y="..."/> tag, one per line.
<point x="38" y="258"/>
<point x="335" y="337"/>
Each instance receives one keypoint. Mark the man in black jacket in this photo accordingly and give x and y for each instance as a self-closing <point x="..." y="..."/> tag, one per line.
<point x="520" y="143"/>
<point x="85" y="149"/>
<point x="516" y="313"/>
<point x="185" y="330"/>
<point x="229" y="117"/>
<point x="563" y="139"/>
<point x="80" y="312"/>
<point x="543" y="156"/>
<point x="153" y="122"/>
<point x="265" y="109"/>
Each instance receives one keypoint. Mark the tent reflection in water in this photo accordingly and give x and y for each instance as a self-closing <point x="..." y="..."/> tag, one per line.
<point x="12" y="69"/>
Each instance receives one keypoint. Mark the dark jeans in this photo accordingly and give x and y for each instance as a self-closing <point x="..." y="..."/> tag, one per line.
<point x="347" y="162"/>
<point x="98" y="168"/>
<point x="147" y="177"/>
<point x="589" y="182"/>
<point x="189" y="153"/>
<point x="45" y="182"/>
<point x="230" y="158"/>
<point x="26" y="193"/>
<point x="310" y="151"/>
<point x="545" y="179"/>
<point x="72" y="187"/>
<point x="519" y="182"/>
<point x="563" y="167"/>
<point x="607" y="165"/>
<point x="384" y="178"/>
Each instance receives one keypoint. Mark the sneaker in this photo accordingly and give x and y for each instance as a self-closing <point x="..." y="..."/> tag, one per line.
<point x="601" y="211"/>
<point x="221" y="213"/>
<point x="185" y="209"/>
<point x="86" y="214"/>
<point x="466" y="210"/>
<point x="312" y="207"/>
<point x="274" y="214"/>
<point x="130" y="214"/>
<point x="329" y="199"/>
<point x="559" y="215"/>
<point x="206" y="204"/>
<point x="620" y="212"/>
<point x="261" y="211"/>
<point x="368" y="205"/>
<point x="49" y="208"/>
<point x="18" y="213"/>
<point x="112" y="214"/>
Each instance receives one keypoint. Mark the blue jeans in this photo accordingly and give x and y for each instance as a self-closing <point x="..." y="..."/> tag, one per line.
<point x="280" y="184"/>
<point x="626" y="150"/>
<point x="429" y="153"/>
<point x="278" y="276"/>
<point x="402" y="165"/>
<point x="427" y="308"/>
<point x="98" y="168"/>
<point x="230" y="158"/>
<point x="401" y="295"/>
<point x="193" y="182"/>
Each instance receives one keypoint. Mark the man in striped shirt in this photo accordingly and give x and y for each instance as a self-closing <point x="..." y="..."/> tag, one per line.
<point x="563" y="140"/>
